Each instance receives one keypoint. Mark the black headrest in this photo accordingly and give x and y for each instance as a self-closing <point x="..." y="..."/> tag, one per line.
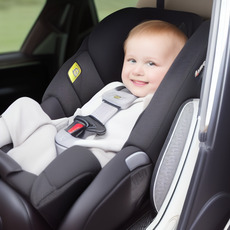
<point x="105" y="44"/>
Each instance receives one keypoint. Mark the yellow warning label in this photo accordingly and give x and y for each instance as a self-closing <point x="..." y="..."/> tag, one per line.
<point x="74" y="72"/>
<point x="117" y="97"/>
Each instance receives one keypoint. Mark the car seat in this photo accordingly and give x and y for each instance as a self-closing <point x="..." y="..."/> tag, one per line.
<point x="184" y="75"/>
<point x="52" y="200"/>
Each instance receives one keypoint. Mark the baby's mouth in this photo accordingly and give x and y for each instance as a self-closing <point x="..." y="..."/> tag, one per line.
<point x="139" y="83"/>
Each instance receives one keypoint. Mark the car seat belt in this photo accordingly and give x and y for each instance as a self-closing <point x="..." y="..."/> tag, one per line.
<point x="113" y="101"/>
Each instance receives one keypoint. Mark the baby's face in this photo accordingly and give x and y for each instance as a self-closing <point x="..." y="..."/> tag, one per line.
<point x="147" y="60"/>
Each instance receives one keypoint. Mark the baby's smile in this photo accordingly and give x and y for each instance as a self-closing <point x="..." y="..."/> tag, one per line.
<point x="139" y="83"/>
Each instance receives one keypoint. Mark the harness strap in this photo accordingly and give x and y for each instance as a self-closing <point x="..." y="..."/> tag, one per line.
<point x="104" y="112"/>
<point x="112" y="101"/>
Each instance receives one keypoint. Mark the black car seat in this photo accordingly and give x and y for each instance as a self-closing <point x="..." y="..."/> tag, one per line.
<point x="178" y="91"/>
<point x="40" y="202"/>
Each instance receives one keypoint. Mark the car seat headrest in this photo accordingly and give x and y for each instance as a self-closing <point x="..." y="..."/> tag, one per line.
<point x="110" y="35"/>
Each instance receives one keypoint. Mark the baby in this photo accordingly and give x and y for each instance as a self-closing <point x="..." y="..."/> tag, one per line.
<point x="150" y="49"/>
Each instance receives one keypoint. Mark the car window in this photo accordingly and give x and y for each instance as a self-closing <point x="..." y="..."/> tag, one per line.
<point x="16" y="19"/>
<point x="105" y="7"/>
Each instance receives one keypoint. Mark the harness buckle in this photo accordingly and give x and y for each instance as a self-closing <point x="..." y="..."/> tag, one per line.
<point x="81" y="124"/>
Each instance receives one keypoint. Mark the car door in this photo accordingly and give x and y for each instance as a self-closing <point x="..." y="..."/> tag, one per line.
<point x="207" y="205"/>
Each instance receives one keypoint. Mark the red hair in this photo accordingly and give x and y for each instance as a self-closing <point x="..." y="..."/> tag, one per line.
<point x="157" y="27"/>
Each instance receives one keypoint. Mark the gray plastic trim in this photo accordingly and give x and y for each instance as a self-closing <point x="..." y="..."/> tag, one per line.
<point x="176" y="148"/>
<point x="136" y="160"/>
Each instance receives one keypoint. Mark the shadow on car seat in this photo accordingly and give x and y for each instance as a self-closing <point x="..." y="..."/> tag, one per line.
<point x="52" y="200"/>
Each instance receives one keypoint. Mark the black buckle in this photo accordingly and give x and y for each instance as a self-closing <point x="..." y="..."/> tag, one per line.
<point x="85" y="123"/>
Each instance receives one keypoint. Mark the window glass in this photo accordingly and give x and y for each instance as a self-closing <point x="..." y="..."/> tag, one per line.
<point x="16" y="19"/>
<point x="106" y="7"/>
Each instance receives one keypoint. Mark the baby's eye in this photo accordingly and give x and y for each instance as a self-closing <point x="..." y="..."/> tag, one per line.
<point x="150" y="63"/>
<point x="131" y="60"/>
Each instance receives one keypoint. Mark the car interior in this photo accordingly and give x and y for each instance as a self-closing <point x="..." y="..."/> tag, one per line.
<point x="55" y="36"/>
<point x="146" y="183"/>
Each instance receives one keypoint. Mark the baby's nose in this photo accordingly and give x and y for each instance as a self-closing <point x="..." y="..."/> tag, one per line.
<point x="138" y="70"/>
